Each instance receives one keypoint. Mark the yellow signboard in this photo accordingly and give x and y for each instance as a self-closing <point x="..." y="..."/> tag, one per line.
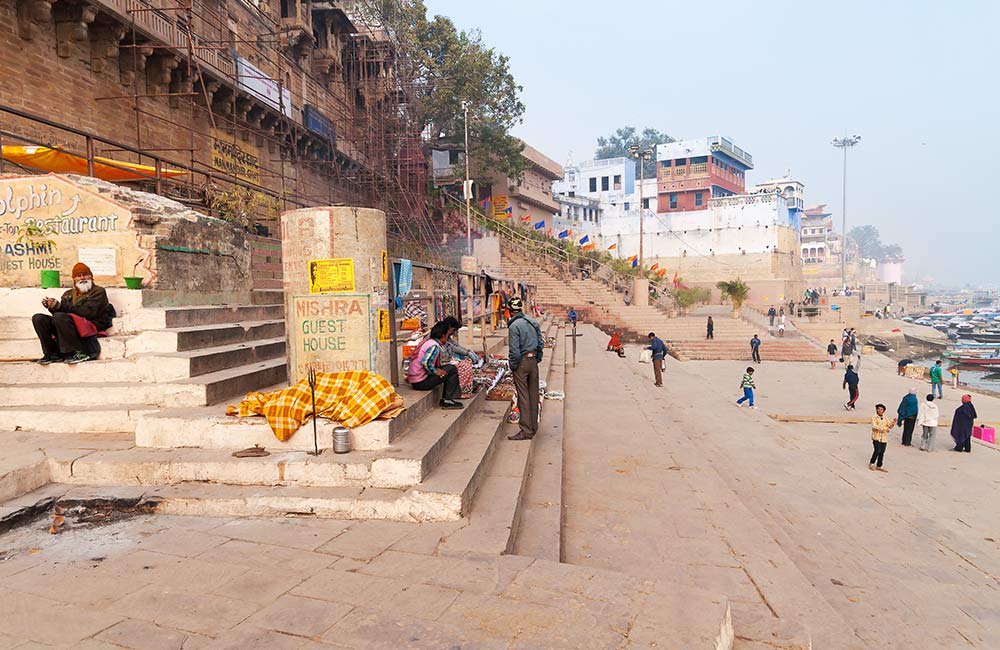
<point x="383" y="325"/>
<point x="331" y="276"/>
<point x="237" y="159"/>
<point x="500" y="207"/>
<point x="385" y="266"/>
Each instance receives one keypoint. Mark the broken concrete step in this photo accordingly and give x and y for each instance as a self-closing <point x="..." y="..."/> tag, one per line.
<point x="73" y="418"/>
<point x="171" y="317"/>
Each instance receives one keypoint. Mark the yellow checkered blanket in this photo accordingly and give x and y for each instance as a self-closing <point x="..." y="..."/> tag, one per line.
<point x="352" y="398"/>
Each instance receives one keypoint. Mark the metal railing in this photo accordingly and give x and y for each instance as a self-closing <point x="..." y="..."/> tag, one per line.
<point x="560" y="261"/>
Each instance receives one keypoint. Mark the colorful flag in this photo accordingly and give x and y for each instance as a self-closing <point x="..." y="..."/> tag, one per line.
<point x="564" y="234"/>
<point x="509" y="210"/>
<point x="589" y="247"/>
<point x="585" y="239"/>
<point x="633" y="258"/>
<point x="661" y="273"/>
<point x="654" y="267"/>
<point x="675" y="277"/>
<point x="635" y="263"/>
<point x="526" y="217"/>
<point x="612" y="247"/>
<point x="487" y="201"/>
<point x="539" y="225"/>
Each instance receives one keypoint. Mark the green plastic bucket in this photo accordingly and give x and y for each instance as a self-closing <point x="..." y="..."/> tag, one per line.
<point x="50" y="279"/>
<point x="133" y="283"/>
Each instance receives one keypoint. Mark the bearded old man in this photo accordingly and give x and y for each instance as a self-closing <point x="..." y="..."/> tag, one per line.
<point x="82" y="312"/>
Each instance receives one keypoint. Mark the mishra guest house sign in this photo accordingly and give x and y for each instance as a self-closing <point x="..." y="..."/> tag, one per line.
<point x="330" y="333"/>
<point x="49" y="223"/>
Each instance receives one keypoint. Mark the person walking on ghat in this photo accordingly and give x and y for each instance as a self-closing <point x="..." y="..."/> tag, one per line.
<point x="771" y="313"/>
<point x="710" y="329"/>
<point x="906" y="415"/>
<point x="525" y="345"/>
<point x="937" y="382"/>
<point x="831" y="351"/>
<point x="881" y="426"/>
<point x="851" y="381"/>
<point x="659" y="350"/>
<point x="748" y="386"/>
<point x="755" y="348"/>
<point x="927" y="420"/>
<point x="962" y="423"/>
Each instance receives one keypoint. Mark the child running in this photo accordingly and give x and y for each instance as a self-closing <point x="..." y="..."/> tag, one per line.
<point x="881" y="426"/>
<point x="747" y="385"/>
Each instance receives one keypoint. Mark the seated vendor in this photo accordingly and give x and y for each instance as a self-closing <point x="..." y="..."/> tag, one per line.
<point x="426" y="371"/>
<point x="615" y="344"/>
<point x="82" y="312"/>
<point x="452" y="349"/>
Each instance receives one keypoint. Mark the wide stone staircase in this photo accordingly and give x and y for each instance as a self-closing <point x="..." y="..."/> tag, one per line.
<point x="685" y="336"/>
<point x="148" y="420"/>
<point x="156" y="357"/>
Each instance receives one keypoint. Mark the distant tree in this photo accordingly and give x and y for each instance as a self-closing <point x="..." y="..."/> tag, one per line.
<point x="446" y="66"/>
<point x="617" y="144"/>
<point x="870" y="245"/>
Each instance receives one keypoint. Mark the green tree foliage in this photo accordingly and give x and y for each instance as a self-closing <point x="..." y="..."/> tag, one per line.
<point x="685" y="298"/>
<point x="870" y="245"/>
<point x="736" y="291"/>
<point x="618" y="142"/>
<point x="447" y="66"/>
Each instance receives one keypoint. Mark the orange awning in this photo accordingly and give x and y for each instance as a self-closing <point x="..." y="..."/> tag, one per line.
<point x="59" y="162"/>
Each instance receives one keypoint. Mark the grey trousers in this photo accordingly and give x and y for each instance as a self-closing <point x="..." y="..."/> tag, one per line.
<point x="526" y="385"/>
<point x="927" y="438"/>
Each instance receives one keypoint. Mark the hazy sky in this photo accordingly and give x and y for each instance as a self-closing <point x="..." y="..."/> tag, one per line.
<point x="919" y="81"/>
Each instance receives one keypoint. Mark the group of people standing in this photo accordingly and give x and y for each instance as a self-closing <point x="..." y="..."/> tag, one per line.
<point x="910" y="414"/>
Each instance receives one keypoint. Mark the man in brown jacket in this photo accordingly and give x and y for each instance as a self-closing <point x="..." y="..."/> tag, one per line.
<point x="81" y="312"/>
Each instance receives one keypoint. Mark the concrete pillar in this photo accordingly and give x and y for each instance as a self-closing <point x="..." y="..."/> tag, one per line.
<point x="336" y="290"/>
<point x="640" y="292"/>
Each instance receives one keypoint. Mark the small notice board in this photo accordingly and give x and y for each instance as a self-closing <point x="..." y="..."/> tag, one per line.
<point x="331" y="276"/>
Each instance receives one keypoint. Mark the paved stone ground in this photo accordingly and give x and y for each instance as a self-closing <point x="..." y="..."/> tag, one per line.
<point x="785" y="518"/>
<point x="674" y="499"/>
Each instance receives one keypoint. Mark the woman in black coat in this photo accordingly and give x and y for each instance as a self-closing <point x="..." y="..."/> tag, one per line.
<point x="962" y="423"/>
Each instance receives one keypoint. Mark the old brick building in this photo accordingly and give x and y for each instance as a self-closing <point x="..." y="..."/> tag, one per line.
<point x="295" y="101"/>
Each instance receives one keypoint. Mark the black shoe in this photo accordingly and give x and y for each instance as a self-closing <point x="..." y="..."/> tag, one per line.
<point x="450" y="405"/>
<point x="78" y="357"/>
<point x="47" y="359"/>
<point x="519" y="436"/>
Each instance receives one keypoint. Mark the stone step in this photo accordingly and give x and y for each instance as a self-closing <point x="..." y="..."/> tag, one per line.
<point x="73" y="418"/>
<point x="210" y="428"/>
<point x="404" y="464"/>
<point x="207" y="315"/>
<point x="147" y="367"/>
<point x="67" y="394"/>
<point x="159" y="340"/>
<point x="268" y="296"/>
<point x="231" y="382"/>
<point x="192" y="363"/>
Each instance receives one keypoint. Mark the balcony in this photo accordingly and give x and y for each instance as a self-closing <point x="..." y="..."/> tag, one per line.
<point x="718" y="143"/>
<point x="699" y="168"/>
<point x="163" y="28"/>
<point x="535" y="196"/>
<point x="296" y="17"/>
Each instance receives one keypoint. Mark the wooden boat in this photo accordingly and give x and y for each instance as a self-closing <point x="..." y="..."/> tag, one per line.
<point x="972" y="360"/>
<point x="933" y="343"/>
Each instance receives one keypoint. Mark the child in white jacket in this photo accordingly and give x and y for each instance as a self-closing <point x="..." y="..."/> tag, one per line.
<point x="927" y="418"/>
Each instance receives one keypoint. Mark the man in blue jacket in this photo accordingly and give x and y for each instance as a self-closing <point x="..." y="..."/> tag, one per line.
<point x="524" y="353"/>
<point x="659" y="349"/>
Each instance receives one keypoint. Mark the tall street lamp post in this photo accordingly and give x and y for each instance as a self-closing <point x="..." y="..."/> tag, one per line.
<point x="844" y="143"/>
<point x="642" y="155"/>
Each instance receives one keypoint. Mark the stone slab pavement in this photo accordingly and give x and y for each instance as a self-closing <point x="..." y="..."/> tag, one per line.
<point x="785" y="518"/>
